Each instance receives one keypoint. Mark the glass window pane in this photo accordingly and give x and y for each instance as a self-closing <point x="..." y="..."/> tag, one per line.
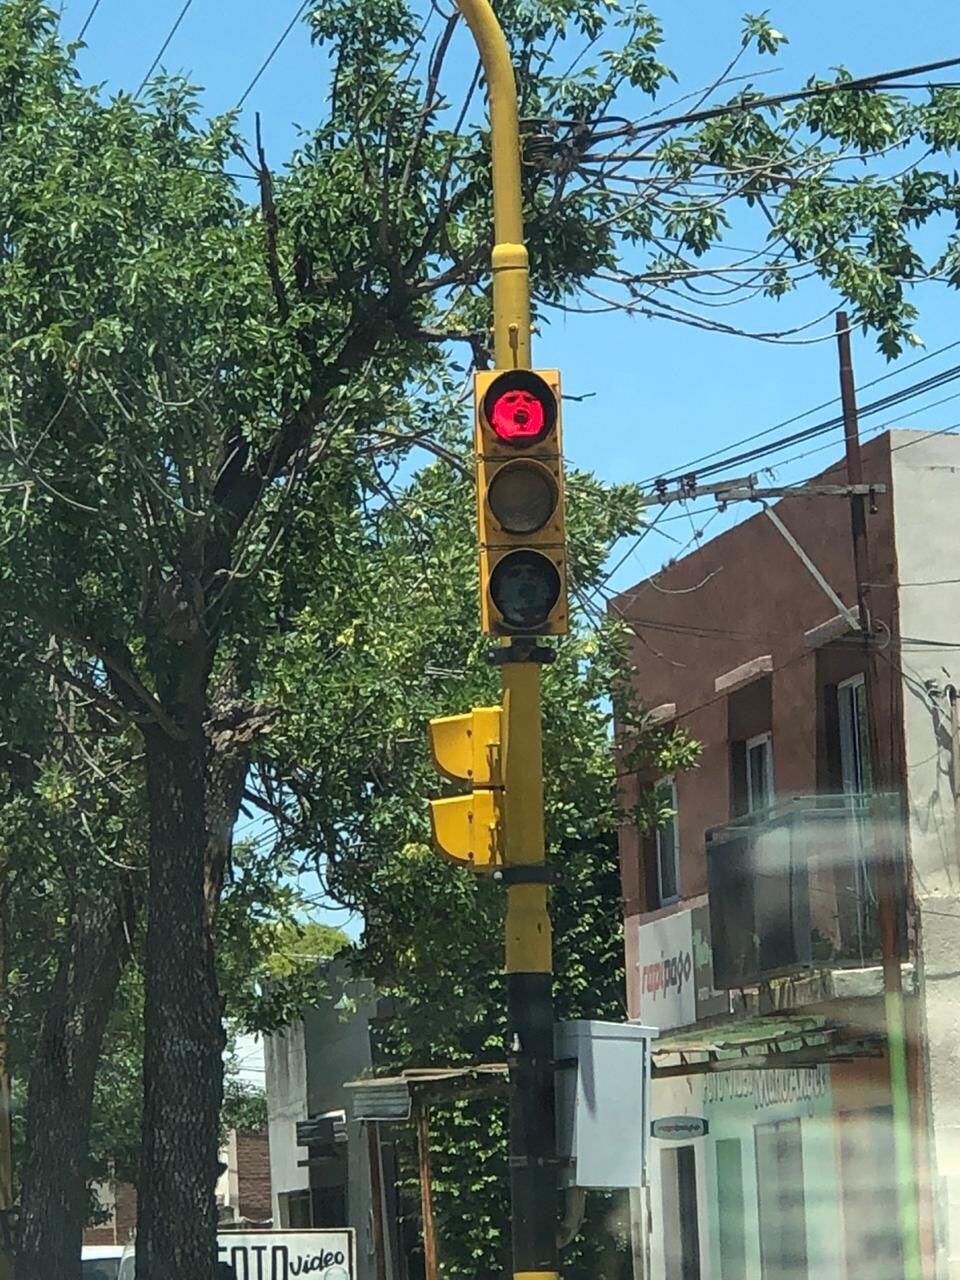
<point x="759" y="772"/>
<point x="668" y="848"/>
<point x="733" y="1263"/>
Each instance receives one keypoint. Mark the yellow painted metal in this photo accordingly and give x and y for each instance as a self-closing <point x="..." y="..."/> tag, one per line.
<point x="467" y="829"/>
<point x="511" y="272"/>
<point x="494" y="542"/>
<point x="467" y="748"/>
<point x="528" y="934"/>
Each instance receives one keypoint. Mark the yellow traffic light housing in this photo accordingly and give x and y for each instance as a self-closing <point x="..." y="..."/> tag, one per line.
<point x="468" y="829"/>
<point x="520" y="515"/>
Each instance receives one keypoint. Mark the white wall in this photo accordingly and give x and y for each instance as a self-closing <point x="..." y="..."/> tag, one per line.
<point x="286" y="1084"/>
<point x="682" y="1096"/>
<point x="926" y="496"/>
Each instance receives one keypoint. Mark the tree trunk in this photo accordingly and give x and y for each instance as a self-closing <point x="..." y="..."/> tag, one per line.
<point x="184" y="1040"/>
<point x="55" y="1202"/>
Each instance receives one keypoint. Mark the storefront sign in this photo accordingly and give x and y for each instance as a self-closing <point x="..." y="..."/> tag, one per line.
<point x="800" y="1088"/>
<point x="679" y="1128"/>
<point x="667" y="980"/>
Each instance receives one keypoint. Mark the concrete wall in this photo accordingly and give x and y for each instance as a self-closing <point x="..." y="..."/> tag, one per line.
<point x="338" y="1049"/>
<point x="286" y="1084"/>
<point x="926" y="471"/>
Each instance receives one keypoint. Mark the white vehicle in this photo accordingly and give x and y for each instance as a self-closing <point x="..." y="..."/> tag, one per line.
<point x="316" y="1254"/>
<point x="100" y="1261"/>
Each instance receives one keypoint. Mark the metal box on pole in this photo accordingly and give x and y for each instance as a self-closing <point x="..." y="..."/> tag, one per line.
<point x="603" y="1078"/>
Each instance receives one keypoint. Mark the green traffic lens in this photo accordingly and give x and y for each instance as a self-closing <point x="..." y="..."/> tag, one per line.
<point x="525" y="587"/>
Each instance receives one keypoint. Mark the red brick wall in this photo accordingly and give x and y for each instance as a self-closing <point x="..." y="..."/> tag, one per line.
<point x="253" y="1169"/>
<point x="743" y="595"/>
<point x="120" y="1226"/>
<point x="253" y="1161"/>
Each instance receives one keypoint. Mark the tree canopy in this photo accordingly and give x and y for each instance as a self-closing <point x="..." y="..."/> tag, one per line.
<point x="208" y="409"/>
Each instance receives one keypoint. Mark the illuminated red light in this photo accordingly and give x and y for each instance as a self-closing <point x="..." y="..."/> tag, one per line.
<point x="517" y="415"/>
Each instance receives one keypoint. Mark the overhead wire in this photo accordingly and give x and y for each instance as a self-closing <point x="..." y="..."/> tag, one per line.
<point x="821" y="428"/>
<point x="874" y="430"/>
<point x="89" y="18"/>
<point x="163" y="48"/>
<point x="798" y="417"/>
<point x="853" y="85"/>
<point x="301" y="9"/>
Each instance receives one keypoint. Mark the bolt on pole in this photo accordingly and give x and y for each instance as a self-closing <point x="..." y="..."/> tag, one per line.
<point x="529" y="964"/>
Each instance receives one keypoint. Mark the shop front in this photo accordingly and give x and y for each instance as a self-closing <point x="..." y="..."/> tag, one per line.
<point x="761" y="1167"/>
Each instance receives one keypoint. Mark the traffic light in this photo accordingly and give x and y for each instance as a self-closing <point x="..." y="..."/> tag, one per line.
<point x="523" y="589"/>
<point x="468" y="828"/>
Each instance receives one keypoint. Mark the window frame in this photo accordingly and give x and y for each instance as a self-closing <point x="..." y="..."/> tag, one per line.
<point x="850" y="737"/>
<point x="764" y="740"/>
<point x="667" y="900"/>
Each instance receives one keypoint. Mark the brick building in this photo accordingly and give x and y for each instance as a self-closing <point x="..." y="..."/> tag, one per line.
<point x="243" y="1192"/>
<point x="751" y="928"/>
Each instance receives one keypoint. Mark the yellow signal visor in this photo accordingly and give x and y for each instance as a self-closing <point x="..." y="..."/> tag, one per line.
<point x="467" y="748"/>
<point x="466" y="829"/>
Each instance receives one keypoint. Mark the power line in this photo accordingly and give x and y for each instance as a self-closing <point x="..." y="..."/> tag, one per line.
<point x="830" y="424"/>
<point x="273" y="52"/>
<point x="89" y="19"/>
<point x="163" y="48"/>
<point x="798" y="417"/>
<point x="778" y="99"/>
<point x="876" y="429"/>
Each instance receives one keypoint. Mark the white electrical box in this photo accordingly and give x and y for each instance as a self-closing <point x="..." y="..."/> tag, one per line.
<point x="603" y="1085"/>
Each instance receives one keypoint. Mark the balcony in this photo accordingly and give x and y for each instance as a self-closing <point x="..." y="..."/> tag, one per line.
<point x="795" y="888"/>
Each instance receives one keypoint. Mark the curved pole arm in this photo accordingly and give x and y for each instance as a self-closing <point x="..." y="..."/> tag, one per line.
<point x="511" y="275"/>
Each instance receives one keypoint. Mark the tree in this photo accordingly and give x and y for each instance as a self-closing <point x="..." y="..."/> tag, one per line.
<point x="70" y="848"/>
<point x="433" y="936"/>
<point x="203" y="402"/>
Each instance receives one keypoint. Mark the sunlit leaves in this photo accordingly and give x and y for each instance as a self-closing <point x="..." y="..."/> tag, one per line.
<point x="759" y="30"/>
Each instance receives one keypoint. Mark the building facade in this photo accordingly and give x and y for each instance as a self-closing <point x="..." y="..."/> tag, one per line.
<point x="328" y="1170"/>
<point x="751" y="919"/>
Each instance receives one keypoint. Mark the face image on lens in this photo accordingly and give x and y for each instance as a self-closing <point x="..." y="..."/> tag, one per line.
<point x="517" y="413"/>
<point x="525" y="586"/>
<point x="520" y="408"/>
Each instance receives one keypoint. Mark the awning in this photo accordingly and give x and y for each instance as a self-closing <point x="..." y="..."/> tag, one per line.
<point x="386" y="1098"/>
<point x="766" y="1043"/>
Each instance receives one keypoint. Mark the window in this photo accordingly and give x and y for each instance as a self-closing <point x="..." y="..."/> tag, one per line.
<point x="668" y="847"/>
<point x="295" y="1209"/>
<point x="781" y="1203"/>
<point x="681" y="1224"/>
<point x="759" y="773"/>
<point x="855" y="769"/>
<point x="868" y="1186"/>
<point x="733" y="1264"/>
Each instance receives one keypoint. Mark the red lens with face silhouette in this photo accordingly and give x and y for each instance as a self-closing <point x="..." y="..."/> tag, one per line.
<point x="516" y="415"/>
<point x="520" y="408"/>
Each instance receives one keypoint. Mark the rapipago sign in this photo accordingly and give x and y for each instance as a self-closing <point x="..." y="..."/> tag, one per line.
<point x="679" y="1128"/>
<point x="667" y="979"/>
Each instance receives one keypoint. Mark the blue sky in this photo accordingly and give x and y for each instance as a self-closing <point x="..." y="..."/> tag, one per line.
<point x="662" y="394"/>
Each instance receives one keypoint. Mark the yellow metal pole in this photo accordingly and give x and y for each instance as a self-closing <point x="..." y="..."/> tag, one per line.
<point x="511" y="273"/>
<point x="529" y="961"/>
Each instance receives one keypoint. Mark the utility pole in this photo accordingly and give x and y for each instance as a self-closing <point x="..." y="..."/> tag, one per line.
<point x="884" y="785"/>
<point x="504" y="818"/>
